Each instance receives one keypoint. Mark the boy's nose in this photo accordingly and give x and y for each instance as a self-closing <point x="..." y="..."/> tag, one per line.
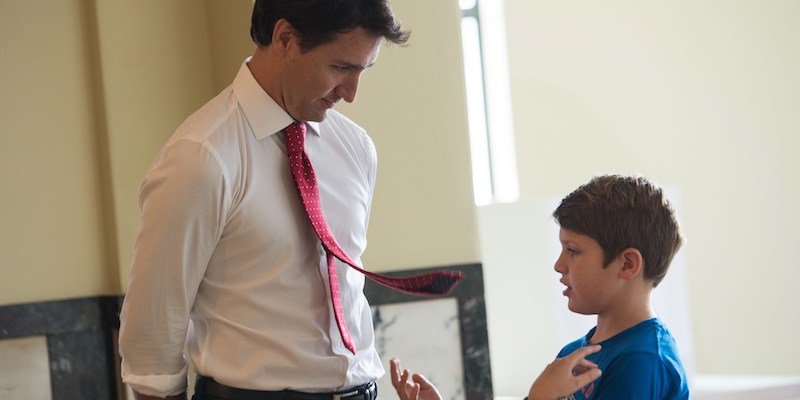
<point x="558" y="266"/>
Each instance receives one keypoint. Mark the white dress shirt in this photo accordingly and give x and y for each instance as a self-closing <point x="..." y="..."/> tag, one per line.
<point x="224" y="242"/>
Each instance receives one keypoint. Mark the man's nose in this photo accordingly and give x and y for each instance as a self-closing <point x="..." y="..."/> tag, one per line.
<point x="348" y="88"/>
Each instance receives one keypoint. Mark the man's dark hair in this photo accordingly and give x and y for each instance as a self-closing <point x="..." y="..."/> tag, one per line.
<point x="319" y="21"/>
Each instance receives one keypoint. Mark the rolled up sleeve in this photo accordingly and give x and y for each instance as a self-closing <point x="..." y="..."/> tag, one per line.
<point x="182" y="204"/>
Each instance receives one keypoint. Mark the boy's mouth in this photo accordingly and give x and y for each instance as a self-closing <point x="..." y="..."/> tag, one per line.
<point x="566" y="291"/>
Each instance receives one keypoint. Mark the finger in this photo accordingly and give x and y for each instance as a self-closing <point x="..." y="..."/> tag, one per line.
<point x="577" y="357"/>
<point x="584" y="351"/>
<point x="415" y="392"/>
<point x="587" y="377"/>
<point x="401" y="385"/>
<point x="586" y="364"/>
<point x="422" y="380"/>
<point x="394" y="370"/>
<point x="582" y="369"/>
<point x="579" y="369"/>
<point x="404" y="381"/>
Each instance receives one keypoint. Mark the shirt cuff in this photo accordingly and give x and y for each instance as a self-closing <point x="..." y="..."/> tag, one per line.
<point x="156" y="385"/>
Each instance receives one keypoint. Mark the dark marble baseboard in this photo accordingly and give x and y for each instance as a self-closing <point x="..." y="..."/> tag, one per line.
<point x="80" y="342"/>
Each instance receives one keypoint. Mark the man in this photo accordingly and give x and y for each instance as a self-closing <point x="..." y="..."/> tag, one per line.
<point x="224" y="241"/>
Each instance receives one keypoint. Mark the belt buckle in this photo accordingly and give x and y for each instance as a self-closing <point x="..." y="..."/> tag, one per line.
<point x="368" y="393"/>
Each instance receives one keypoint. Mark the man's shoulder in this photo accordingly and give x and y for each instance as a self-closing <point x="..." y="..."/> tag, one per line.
<point x="218" y="116"/>
<point x="211" y="115"/>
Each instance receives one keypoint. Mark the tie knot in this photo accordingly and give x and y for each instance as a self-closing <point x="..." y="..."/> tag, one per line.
<point x="295" y="137"/>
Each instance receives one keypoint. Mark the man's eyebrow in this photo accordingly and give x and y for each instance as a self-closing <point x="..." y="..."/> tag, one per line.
<point x="352" y="65"/>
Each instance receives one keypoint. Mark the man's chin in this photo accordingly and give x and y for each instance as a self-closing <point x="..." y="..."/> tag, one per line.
<point x="318" y="117"/>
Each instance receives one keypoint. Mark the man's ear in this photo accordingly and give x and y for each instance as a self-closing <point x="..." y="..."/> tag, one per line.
<point x="283" y="34"/>
<point x="632" y="263"/>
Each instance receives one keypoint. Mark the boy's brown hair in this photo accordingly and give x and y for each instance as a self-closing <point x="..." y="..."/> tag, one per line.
<point x="621" y="212"/>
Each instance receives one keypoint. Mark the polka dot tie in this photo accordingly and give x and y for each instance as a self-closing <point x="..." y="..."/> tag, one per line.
<point x="430" y="284"/>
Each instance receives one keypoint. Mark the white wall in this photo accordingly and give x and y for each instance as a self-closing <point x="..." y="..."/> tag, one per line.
<point x="703" y="97"/>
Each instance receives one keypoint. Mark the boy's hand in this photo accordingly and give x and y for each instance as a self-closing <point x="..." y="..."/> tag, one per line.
<point x="419" y="389"/>
<point x="566" y="375"/>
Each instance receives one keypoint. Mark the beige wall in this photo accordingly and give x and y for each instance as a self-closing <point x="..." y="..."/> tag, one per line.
<point x="412" y="104"/>
<point x="90" y="90"/>
<point x="53" y="230"/>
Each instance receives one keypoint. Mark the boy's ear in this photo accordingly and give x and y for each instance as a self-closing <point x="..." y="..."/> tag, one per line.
<point x="632" y="263"/>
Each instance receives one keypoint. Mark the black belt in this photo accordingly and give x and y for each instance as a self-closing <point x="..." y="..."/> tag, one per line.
<point x="210" y="387"/>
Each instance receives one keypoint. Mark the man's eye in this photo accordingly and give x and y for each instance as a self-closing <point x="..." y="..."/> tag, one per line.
<point x="339" y="68"/>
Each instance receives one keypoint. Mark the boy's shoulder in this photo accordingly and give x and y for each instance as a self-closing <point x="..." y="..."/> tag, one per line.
<point x="651" y="335"/>
<point x="643" y="357"/>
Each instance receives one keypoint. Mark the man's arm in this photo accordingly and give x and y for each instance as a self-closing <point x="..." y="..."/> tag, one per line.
<point x="182" y="205"/>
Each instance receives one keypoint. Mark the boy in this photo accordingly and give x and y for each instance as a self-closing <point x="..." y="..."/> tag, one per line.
<point x="618" y="236"/>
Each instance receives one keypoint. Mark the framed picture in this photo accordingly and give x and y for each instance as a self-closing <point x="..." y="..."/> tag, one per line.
<point x="443" y="338"/>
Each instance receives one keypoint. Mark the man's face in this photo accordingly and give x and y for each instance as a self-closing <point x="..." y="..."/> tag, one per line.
<point x="318" y="78"/>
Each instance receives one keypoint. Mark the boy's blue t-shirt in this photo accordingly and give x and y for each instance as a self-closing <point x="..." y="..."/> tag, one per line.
<point x="639" y="363"/>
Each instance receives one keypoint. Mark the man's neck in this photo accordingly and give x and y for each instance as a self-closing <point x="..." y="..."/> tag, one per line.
<point x="265" y="73"/>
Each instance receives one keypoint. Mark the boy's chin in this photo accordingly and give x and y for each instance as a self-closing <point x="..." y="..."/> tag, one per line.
<point x="579" y="310"/>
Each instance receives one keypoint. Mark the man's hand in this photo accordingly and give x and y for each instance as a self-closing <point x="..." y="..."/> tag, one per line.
<point x="566" y="375"/>
<point x="419" y="389"/>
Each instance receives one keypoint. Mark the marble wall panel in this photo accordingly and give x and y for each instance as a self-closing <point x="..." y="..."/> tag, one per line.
<point x="425" y="337"/>
<point x="24" y="369"/>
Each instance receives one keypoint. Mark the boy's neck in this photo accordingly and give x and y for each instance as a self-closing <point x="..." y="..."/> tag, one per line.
<point x="612" y="323"/>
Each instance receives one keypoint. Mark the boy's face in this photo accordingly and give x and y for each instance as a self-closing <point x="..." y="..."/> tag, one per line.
<point x="591" y="289"/>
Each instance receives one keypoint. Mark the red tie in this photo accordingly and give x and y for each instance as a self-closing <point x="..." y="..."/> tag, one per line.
<point x="430" y="284"/>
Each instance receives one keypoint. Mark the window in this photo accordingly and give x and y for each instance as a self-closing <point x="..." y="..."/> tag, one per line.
<point x="494" y="170"/>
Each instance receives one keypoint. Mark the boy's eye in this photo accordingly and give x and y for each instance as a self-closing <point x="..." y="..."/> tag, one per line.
<point x="573" y="251"/>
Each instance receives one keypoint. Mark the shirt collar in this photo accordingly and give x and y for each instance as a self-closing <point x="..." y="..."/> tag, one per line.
<point x="265" y="116"/>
